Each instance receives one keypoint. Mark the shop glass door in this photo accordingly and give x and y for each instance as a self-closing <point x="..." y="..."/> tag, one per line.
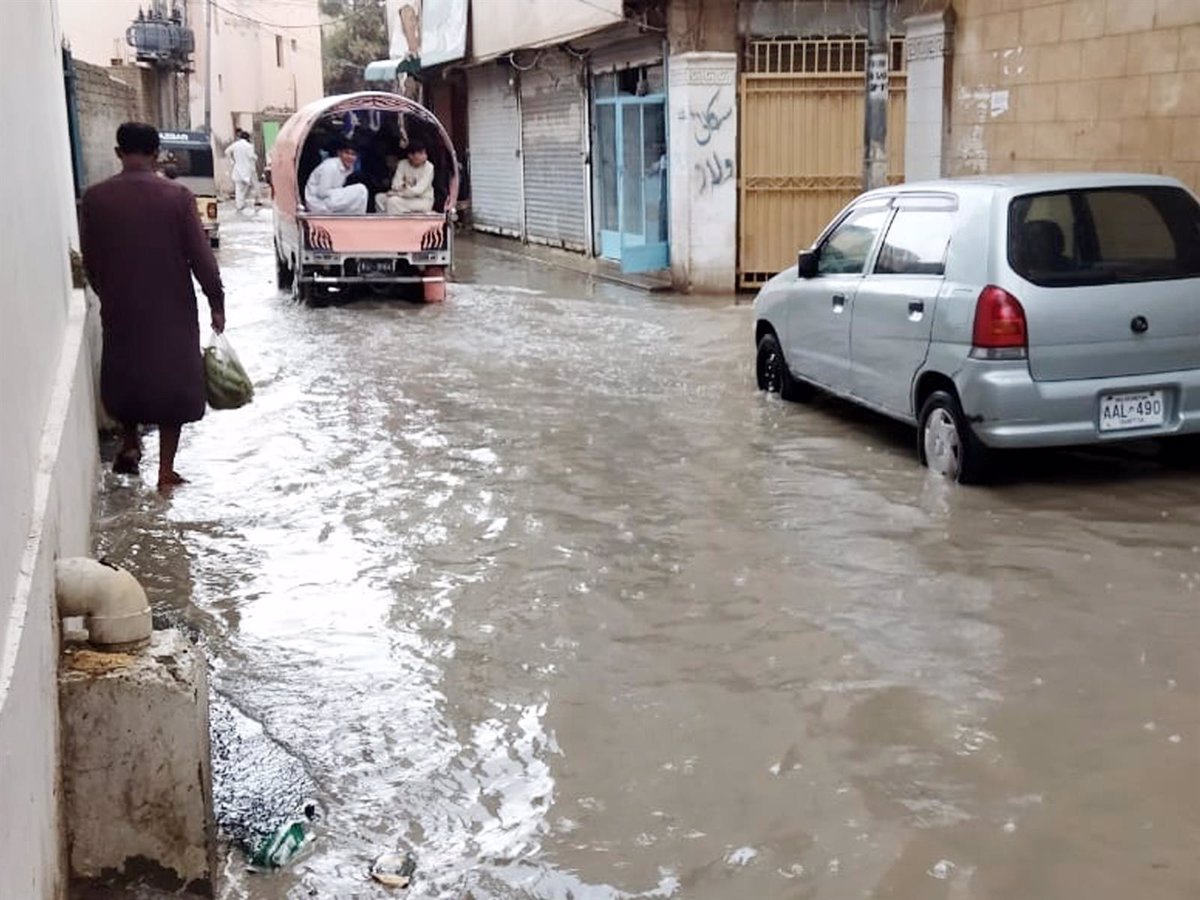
<point x="632" y="208"/>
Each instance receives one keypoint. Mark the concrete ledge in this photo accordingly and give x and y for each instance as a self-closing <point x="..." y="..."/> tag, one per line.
<point x="31" y="861"/>
<point x="136" y="769"/>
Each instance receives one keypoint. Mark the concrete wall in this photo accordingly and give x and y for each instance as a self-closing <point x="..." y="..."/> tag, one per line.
<point x="817" y="18"/>
<point x="103" y="103"/>
<point x="694" y="25"/>
<point x="48" y="445"/>
<point x="1076" y="84"/>
<point x="702" y="106"/>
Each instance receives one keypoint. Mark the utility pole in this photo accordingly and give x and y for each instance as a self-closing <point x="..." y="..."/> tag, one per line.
<point x="875" y="163"/>
<point x="208" y="55"/>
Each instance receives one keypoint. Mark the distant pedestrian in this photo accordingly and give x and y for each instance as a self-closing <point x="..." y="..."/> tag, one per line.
<point x="244" y="161"/>
<point x="142" y="243"/>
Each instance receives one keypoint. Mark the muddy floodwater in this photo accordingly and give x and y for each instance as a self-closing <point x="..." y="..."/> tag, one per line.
<point x="536" y="585"/>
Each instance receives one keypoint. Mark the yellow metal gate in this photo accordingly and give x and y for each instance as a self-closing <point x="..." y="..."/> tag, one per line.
<point x="802" y="143"/>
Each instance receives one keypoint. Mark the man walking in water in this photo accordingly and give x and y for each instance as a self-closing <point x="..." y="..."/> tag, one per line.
<point x="244" y="161"/>
<point x="142" y="243"/>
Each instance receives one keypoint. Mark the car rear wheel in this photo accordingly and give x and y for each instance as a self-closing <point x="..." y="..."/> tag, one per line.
<point x="947" y="444"/>
<point x="772" y="372"/>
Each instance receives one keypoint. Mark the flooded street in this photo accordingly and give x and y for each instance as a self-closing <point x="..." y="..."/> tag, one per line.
<point x="537" y="585"/>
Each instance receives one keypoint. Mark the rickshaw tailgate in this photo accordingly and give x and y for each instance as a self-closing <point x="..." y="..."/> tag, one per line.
<point x="375" y="234"/>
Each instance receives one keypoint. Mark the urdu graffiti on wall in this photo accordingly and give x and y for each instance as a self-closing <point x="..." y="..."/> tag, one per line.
<point x="709" y="122"/>
<point x="715" y="170"/>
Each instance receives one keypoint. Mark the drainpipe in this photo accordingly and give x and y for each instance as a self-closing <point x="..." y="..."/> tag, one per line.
<point x="111" y="601"/>
<point x="875" y="160"/>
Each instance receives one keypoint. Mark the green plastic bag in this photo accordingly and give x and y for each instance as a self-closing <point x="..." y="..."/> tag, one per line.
<point x="225" y="381"/>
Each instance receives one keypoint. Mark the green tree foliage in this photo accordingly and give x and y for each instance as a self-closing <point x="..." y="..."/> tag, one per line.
<point x="356" y="35"/>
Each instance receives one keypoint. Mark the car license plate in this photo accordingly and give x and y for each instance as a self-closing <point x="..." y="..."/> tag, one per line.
<point x="1143" y="409"/>
<point x="376" y="267"/>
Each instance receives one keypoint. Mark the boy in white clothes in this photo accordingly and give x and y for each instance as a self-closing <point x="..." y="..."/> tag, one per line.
<point x="412" y="186"/>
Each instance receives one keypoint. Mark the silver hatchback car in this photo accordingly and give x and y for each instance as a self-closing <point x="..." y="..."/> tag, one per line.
<point x="992" y="313"/>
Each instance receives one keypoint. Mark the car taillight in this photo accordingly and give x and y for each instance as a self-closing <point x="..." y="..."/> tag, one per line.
<point x="1000" y="331"/>
<point x="212" y="210"/>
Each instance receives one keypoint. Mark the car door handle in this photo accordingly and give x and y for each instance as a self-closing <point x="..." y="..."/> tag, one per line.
<point x="916" y="310"/>
<point x="839" y="303"/>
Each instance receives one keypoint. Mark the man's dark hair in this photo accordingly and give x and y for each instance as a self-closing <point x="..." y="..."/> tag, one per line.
<point x="244" y="135"/>
<point x="415" y="147"/>
<point x="340" y="143"/>
<point x="139" y="138"/>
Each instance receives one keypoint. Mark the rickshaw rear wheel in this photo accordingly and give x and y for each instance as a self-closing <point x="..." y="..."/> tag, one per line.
<point x="284" y="276"/>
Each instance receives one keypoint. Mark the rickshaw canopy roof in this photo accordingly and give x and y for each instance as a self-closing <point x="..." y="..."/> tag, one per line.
<point x="290" y="142"/>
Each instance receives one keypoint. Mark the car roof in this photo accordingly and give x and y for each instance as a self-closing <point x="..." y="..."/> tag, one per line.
<point x="1031" y="183"/>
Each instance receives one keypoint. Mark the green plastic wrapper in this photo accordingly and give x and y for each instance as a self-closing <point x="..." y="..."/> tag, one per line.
<point x="225" y="380"/>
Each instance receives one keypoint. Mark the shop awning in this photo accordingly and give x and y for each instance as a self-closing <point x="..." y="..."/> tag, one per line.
<point x="390" y="69"/>
<point x="382" y="70"/>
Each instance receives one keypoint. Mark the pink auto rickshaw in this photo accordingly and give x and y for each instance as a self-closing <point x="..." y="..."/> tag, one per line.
<point x="322" y="257"/>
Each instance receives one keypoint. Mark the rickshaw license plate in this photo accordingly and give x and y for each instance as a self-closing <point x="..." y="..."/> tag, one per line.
<point x="368" y="267"/>
<point x="1144" y="409"/>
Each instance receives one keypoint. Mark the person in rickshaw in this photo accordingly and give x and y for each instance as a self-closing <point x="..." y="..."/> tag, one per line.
<point x="327" y="192"/>
<point x="412" y="185"/>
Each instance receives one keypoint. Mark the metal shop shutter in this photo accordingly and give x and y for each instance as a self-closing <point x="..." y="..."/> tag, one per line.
<point x="493" y="124"/>
<point x="554" y="148"/>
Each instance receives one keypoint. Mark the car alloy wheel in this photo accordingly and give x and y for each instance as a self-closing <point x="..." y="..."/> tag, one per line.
<point x="948" y="445"/>
<point x="943" y="448"/>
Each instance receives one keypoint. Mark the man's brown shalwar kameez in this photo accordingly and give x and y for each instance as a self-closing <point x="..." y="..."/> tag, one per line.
<point x="142" y="242"/>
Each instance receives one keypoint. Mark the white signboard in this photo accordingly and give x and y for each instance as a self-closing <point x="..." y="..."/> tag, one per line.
<point x="498" y="26"/>
<point x="429" y="32"/>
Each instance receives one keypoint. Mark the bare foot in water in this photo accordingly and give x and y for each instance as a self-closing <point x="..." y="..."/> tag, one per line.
<point x="169" y="480"/>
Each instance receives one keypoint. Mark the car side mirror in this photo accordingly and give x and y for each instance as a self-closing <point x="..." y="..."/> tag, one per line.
<point x="806" y="264"/>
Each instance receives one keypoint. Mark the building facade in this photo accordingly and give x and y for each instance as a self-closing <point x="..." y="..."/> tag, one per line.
<point x="582" y="117"/>
<point x="759" y="105"/>
<point x="264" y="61"/>
<point x="48" y="445"/>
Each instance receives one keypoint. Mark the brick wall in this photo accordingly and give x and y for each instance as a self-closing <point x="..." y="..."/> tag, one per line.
<point x="1058" y="85"/>
<point x="104" y="103"/>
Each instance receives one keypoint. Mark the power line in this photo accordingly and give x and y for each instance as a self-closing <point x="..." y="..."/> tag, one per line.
<point x="265" y="24"/>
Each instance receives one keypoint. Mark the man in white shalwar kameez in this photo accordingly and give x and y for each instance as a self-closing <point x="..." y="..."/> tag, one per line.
<point x="412" y="186"/>
<point x="244" y="161"/>
<point x="328" y="194"/>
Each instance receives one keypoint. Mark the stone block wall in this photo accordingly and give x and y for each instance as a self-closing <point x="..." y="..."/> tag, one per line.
<point x="1061" y="85"/>
<point x="104" y="103"/>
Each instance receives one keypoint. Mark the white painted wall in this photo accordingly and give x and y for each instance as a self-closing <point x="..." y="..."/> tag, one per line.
<point x="95" y="29"/>
<point x="247" y="77"/>
<point x="928" y="47"/>
<point x="48" y="445"/>
<point x="702" y="109"/>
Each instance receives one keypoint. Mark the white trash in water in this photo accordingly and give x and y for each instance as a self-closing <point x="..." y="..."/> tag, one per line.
<point x="394" y="869"/>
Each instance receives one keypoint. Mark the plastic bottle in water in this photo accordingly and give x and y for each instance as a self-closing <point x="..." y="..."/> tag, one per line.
<point x="292" y="836"/>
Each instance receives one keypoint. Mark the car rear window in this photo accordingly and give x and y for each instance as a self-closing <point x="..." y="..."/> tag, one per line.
<point x="1104" y="236"/>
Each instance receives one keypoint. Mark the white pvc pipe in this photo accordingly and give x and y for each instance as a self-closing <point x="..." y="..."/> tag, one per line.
<point x="111" y="601"/>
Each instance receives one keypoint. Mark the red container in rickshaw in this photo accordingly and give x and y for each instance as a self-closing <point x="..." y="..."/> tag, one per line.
<point x="320" y="256"/>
